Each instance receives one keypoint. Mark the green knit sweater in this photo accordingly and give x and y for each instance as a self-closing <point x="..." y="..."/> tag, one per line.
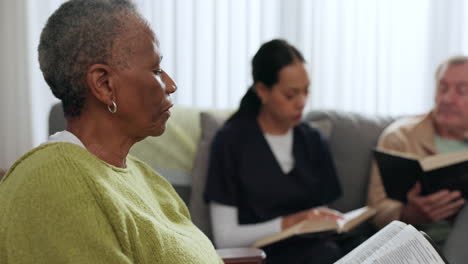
<point x="61" y="204"/>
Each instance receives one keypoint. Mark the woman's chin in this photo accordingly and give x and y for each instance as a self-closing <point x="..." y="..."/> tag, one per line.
<point x="158" y="130"/>
<point x="153" y="131"/>
<point x="295" y="122"/>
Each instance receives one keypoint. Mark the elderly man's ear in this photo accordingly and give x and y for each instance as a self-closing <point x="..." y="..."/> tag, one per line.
<point x="100" y="82"/>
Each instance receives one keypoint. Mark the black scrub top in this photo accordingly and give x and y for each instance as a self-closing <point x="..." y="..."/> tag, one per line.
<point x="243" y="172"/>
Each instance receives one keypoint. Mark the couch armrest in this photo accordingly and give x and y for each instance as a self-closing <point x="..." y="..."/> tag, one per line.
<point x="242" y="255"/>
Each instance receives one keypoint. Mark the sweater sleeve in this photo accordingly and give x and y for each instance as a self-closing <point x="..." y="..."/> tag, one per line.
<point x="229" y="233"/>
<point x="56" y="224"/>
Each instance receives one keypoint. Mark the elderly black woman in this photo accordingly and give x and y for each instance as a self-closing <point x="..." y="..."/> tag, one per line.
<point x="80" y="198"/>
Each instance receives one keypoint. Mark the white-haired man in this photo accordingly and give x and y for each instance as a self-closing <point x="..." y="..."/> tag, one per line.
<point x="443" y="129"/>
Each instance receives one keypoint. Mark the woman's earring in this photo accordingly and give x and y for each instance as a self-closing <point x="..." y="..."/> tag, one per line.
<point x="112" y="108"/>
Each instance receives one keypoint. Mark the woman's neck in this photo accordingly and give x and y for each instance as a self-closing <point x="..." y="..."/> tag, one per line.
<point x="102" y="140"/>
<point x="270" y="125"/>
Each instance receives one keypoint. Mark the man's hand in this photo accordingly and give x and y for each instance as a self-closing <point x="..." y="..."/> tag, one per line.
<point x="314" y="214"/>
<point x="431" y="208"/>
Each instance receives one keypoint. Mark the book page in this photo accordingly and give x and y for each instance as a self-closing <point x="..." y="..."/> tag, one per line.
<point x="408" y="247"/>
<point x="374" y="243"/>
<point x="442" y="160"/>
<point x="302" y="227"/>
<point x="405" y="155"/>
<point x="354" y="217"/>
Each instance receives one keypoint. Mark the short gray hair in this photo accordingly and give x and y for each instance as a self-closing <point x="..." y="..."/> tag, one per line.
<point x="78" y="34"/>
<point x="451" y="61"/>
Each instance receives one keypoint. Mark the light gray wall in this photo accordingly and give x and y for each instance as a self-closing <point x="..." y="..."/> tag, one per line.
<point x="15" y="107"/>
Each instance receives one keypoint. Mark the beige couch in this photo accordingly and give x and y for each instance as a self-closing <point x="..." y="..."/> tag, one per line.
<point x="181" y="155"/>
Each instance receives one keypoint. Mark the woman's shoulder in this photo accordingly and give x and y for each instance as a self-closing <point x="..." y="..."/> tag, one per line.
<point x="44" y="172"/>
<point x="311" y="136"/>
<point x="139" y="166"/>
<point x="239" y="123"/>
<point x="237" y="128"/>
<point x="308" y="130"/>
<point x="42" y="157"/>
<point x="156" y="182"/>
<point x="134" y="163"/>
<point x="59" y="165"/>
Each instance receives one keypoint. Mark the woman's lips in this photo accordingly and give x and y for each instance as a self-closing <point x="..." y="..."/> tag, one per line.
<point x="297" y="117"/>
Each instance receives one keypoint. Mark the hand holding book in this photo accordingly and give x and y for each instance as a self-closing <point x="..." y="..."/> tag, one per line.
<point x="430" y="187"/>
<point x="321" y="225"/>
<point x="400" y="171"/>
<point x="315" y="214"/>
<point x="430" y="208"/>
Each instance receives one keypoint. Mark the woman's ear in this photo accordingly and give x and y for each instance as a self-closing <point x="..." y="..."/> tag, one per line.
<point x="100" y="83"/>
<point x="262" y="91"/>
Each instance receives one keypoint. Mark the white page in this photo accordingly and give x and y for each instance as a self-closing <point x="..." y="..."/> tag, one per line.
<point x="390" y="244"/>
<point x="350" y="216"/>
<point x="412" y="248"/>
<point x="371" y="245"/>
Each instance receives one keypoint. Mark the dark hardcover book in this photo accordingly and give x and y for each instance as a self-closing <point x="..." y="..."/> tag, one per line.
<point x="400" y="171"/>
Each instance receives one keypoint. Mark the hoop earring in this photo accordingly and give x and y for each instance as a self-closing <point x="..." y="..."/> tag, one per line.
<point x="112" y="108"/>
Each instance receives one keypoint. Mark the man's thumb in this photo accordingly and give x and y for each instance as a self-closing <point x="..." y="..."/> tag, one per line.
<point x="415" y="190"/>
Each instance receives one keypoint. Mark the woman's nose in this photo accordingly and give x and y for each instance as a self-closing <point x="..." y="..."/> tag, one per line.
<point x="301" y="102"/>
<point x="171" y="85"/>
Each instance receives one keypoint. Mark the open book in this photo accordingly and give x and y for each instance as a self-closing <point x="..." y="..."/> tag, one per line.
<point x="309" y="228"/>
<point x="400" y="171"/>
<point x="396" y="243"/>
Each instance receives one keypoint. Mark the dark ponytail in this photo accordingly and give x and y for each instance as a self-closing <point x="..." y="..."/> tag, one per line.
<point x="250" y="103"/>
<point x="266" y="65"/>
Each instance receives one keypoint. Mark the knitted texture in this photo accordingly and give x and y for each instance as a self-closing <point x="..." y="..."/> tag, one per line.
<point x="61" y="204"/>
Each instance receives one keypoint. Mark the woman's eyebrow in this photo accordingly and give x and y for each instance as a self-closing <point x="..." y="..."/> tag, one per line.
<point x="294" y="89"/>
<point x="158" y="62"/>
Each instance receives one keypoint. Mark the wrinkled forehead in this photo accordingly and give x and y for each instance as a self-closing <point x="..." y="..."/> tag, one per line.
<point x="156" y="45"/>
<point x="137" y="27"/>
<point x="459" y="65"/>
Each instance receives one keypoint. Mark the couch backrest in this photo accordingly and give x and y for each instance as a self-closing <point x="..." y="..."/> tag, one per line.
<point x="199" y="211"/>
<point x="56" y="119"/>
<point x="352" y="138"/>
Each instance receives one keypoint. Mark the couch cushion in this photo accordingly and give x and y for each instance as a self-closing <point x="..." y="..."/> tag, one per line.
<point x="352" y="138"/>
<point x="57" y="121"/>
<point x="210" y="122"/>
